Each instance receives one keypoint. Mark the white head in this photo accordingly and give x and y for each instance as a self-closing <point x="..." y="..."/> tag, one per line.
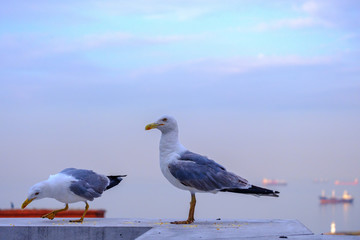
<point x="165" y="124"/>
<point x="38" y="191"/>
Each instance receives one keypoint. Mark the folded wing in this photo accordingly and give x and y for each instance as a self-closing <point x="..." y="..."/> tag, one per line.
<point x="199" y="172"/>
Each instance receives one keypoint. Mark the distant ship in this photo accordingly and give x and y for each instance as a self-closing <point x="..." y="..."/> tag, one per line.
<point x="346" y="198"/>
<point x="273" y="182"/>
<point x="32" y="213"/>
<point x="355" y="182"/>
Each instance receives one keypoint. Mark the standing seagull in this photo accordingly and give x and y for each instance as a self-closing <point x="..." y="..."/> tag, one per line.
<point x="196" y="173"/>
<point x="72" y="185"/>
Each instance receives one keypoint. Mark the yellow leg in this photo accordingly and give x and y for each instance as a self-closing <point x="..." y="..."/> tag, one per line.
<point x="52" y="214"/>
<point x="82" y="217"/>
<point x="191" y="212"/>
<point x="192" y="208"/>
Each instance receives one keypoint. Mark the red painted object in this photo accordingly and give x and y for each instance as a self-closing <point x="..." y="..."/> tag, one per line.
<point x="355" y="182"/>
<point x="33" y="213"/>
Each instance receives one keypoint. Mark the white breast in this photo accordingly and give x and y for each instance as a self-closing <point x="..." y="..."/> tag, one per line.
<point x="164" y="166"/>
<point x="170" y="150"/>
<point x="60" y="188"/>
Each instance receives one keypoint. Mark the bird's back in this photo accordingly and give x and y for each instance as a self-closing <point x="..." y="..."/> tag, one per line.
<point x="87" y="183"/>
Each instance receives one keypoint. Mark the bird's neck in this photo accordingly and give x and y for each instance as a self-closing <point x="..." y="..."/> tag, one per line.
<point x="169" y="143"/>
<point x="46" y="189"/>
<point x="52" y="185"/>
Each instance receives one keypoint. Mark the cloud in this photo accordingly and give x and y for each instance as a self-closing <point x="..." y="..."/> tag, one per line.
<point x="125" y="39"/>
<point x="179" y="14"/>
<point x="317" y="13"/>
<point x="159" y="9"/>
<point x="293" y="23"/>
<point x="235" y="65"/>
<point x="93" y="41"/>
<point x="310" y="7"/>
<point x="335" y="13"/>
<point x="18" y="48"/>
<point x="241" y="65"/>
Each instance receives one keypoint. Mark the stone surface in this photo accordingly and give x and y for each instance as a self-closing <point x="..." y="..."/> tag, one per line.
<point x="115" y="228"/>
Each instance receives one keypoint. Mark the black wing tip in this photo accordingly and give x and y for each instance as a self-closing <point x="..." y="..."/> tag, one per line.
<point x="114" y="180"/>
<point x="118" y="176"/>
<point x="254" y="190"/>
<point x="276" y="194"/>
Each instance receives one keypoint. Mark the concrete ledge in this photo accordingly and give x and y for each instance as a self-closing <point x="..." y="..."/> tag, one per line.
<point x="114" y="228"/>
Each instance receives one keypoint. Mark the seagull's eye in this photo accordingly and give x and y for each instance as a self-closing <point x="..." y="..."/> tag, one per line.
<point x="37" y="193"/>
<point x="164" y="119"/>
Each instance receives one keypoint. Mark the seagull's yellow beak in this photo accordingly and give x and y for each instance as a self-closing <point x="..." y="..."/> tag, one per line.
<point x="26" y="202"/>
<point x="152" y="125"/>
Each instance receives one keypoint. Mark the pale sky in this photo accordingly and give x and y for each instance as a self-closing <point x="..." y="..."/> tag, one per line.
<point x="266" y="88"/>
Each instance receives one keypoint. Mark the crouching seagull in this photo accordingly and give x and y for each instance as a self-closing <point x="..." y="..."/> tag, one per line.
<point x="196" y="173"/>
<point x="72" y="185"/>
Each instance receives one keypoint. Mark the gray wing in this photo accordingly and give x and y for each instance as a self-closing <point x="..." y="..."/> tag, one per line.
<point x="89" y="184"/>
<point x="199" y="172"/>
